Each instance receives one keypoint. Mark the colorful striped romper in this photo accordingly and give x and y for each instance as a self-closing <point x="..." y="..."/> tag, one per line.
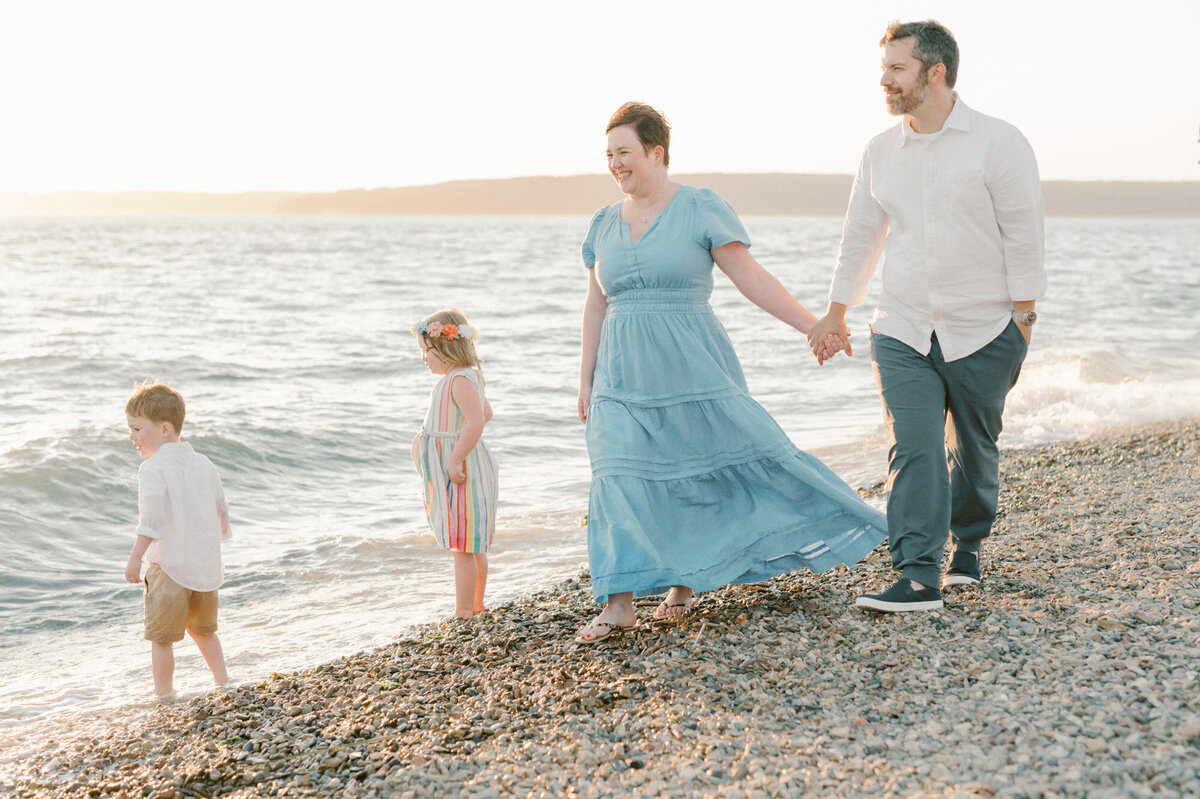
<point x="463" y="516"/>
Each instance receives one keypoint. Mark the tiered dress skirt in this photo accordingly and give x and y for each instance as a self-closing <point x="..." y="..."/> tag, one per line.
<point x="694" y="483"/>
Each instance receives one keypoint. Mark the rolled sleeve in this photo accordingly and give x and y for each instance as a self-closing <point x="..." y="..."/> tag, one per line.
<point x="1016" y="191"/>
<point x="863" y="236"/>
<point x="152" y="502"/>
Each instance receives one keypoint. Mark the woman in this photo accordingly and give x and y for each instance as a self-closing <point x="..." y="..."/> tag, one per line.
<point x="694" y="485"/>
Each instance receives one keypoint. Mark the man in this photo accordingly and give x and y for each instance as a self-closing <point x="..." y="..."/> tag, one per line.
<point x="952" y="199"/>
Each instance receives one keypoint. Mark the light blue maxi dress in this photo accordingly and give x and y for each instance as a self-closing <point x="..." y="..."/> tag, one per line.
<point x="693" y="482"/>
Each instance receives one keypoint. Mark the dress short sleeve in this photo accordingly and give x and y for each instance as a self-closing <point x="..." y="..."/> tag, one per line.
<point x="589" y="241"/>
<point x="719" y="223"/>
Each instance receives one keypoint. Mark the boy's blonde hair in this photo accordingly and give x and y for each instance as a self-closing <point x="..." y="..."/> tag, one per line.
<point x="157" y="402"/>
<point x="454" y="351"/>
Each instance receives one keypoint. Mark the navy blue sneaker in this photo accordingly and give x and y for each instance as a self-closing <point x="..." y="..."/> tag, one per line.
<point x="964" y="569"/>
<point x="901" y="597"/>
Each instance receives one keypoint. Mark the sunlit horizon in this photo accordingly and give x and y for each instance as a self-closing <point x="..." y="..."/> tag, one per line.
<point x="233" y="98"/>
<point x="348" y="189"/>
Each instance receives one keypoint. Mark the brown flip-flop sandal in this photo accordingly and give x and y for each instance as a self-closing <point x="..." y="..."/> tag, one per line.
<point x="660" y="612"/>
<point x="609" y="631"/>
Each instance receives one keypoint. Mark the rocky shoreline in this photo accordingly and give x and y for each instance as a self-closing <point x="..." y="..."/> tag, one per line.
<point x="1070" y="672"/>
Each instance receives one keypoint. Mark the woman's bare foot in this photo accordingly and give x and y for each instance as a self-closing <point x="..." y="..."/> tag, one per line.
<point x="677" y="603"/>
<point x="599" y="630"/>
<point x="615" y="618"/>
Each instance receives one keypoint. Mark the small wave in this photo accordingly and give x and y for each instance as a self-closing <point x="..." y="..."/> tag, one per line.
<point x="1106" y="368"/>
<point x="306" y="398"/>
<point x="1065" y="396"/>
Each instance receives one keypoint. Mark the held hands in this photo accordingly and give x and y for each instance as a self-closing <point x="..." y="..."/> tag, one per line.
<point x="828" y="337"/>
<point x="831" y="346"/>
<point x="133" y="570"/>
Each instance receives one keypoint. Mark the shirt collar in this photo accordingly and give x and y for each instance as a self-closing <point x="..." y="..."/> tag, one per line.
<point x="170" y="447"/>
<point x="959" y="119"/>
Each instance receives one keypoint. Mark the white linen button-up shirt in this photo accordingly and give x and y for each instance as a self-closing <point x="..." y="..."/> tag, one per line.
<point x="957" y="216"/>
<point x="181" y="505"/>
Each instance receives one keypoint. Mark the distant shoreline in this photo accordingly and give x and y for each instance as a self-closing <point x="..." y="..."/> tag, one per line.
<point x="757" y="194"/>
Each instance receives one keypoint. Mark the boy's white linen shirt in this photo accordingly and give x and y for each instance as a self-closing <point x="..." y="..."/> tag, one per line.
<point x="181" y="505"/>
<point x="958" y="218"/>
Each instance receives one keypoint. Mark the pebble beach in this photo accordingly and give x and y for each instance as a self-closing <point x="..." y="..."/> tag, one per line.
<point x="1071" y="671"/>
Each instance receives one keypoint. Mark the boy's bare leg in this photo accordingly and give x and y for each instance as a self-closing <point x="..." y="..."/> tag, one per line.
<point x="481" y="567"/>
<point x="466" y="576"/>
<point x="162" y="664"/>
<point x="210" y="647"/>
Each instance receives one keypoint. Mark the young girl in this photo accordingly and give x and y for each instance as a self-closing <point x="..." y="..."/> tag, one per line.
<point x="456" y="468"/>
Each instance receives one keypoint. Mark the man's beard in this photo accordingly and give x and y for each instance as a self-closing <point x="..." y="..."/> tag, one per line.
<point x="908" y="101"/>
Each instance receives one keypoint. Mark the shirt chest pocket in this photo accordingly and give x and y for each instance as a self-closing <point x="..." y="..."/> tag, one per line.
<point x="964" y="190"/>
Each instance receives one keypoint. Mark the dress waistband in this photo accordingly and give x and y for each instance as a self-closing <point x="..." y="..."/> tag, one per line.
<point x="659" y="299"/>
<point x="435" y="434"/>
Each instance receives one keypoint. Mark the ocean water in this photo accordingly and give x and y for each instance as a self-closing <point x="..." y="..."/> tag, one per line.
<point x="289" y="338"/>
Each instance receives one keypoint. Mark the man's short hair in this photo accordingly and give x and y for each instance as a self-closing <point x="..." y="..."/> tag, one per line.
<point x="935" y="45"/>
<point x="157" y="402"/>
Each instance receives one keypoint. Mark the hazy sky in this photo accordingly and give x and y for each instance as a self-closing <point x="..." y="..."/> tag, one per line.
<point x="233" y="96"/>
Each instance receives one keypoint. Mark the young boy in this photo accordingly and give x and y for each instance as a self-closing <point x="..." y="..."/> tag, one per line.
<point x="182" y="519"/>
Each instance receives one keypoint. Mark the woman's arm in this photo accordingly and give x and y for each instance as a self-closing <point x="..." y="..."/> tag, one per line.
<point x="466" y="397"/>
<point x="761" y="287"/>
<point x="594" y="309"/>
<point x="764" y="290"/>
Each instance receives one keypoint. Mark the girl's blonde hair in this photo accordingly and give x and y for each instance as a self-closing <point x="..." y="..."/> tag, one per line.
<point x="457" y="349"/>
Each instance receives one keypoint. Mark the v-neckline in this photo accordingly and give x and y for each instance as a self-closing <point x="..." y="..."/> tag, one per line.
<point x="653" y="222"/>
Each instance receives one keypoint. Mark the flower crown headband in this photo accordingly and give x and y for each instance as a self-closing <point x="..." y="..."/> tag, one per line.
<point x="439" y="330"/>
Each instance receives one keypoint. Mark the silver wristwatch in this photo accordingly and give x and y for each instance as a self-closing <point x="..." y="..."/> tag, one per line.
<point x="1026" y="318"/>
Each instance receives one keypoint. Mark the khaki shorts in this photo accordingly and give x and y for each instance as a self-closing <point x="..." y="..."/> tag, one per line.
<point x="171" y="608"/>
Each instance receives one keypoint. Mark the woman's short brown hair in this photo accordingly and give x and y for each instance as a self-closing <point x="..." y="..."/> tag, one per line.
<point x="157" y="402"/>
<point x="456" y="351"/>
<point x="650" y="126"/>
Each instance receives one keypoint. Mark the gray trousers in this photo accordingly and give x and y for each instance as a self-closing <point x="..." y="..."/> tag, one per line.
<point x="943" y="420"/>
